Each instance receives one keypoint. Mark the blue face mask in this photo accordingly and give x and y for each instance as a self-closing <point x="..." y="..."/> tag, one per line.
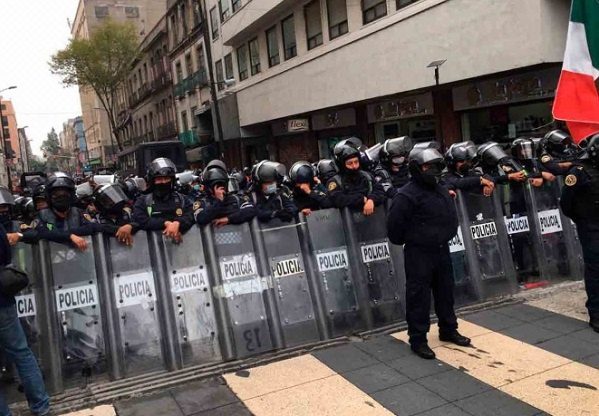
<point x="196" y="187"/>
<point x="271" y="189"/>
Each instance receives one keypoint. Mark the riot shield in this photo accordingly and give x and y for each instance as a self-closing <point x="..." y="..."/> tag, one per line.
<point x="561" y="258"/>
<point x="522" y="232"/>
<point x="134" y="297"/>
<point x="464" y="290"/>
<point x="323" y="230"/>
<point x="290" y="281"/>
<point x="486" y="243"/>
<point x="240" y="291"/>
<point x="192" y="304"/>
<point x="383" y="280"/>
<point x="77" y="308"/>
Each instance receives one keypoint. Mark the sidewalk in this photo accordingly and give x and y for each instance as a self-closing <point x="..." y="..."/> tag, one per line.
<point x="525" y="360"/>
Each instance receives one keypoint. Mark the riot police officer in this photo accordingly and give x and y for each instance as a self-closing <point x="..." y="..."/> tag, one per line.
<point x="219" y="206"/>
<point x="558" y="152"/>
<point x="353" y="187"/>
<point x="273" y="199"/>
<point x="114" y="216"/>
<point x="162" y="208"/>
<point x="308" y="193"/>
<point x="325" y="170"/>
<point x="500" y="167"/>
<point x="460" y="159"/>
<point x="580" y="202"/>
<point x="7" y="208"/>
<point x="424" y="218"/>
<point x="393" y="157"/>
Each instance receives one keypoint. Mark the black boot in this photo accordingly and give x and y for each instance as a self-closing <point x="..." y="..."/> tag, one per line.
<point x="455" y="338"/>
<point x="594" y="323"/>
<point x="423" y="351"/>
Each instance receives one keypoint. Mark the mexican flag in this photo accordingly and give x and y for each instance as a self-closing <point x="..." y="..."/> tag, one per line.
<point x="577" y="97"/>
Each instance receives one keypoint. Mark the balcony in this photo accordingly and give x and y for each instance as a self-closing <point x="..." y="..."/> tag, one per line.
<point x="197" y="80"/>
<point x="161" y="80"/>
<point x="189" y="138"/>
<point x="166" y="131"/>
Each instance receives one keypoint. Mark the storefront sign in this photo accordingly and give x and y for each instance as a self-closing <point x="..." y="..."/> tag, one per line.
<point x="334" y="119"/>
<point x="400" y="108"/>
<point x="517" y="88"/>
<point x="298" y="124"/>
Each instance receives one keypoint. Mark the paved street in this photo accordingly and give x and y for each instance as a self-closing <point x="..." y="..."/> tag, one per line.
<point x="524" y="360"/>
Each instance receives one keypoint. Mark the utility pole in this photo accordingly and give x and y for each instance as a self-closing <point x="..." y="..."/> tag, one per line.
<point x="208" y="47"/>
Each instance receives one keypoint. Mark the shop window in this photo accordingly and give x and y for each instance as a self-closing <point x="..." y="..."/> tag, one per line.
<point x="272" y="44"/>
<point x="101" y="11"/>
<point x="337" y="14"/>
<point x="373" y="10"/>
<point x="403" y="3"/>
<point x="254" y="56"/>
<point x="313" y="24"/>
<point x="223" y="7"/>
<point x="229" y="67"/>
<point x="220" y="78"/>
<point x="289" y="45"/>
<point x="242" y="62"/>
<point x="214" y="23"/>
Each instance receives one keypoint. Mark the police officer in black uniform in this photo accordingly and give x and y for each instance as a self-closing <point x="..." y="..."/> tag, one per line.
<point x="162" y="208"/>
<point x="393" y="172"/>
<point x="580" y="202"/>
<point x="7" y="211"/>
<point x="273" y="200"/>
<point x="498" y="165"/>
<point x="424" y="218"/>
<point x="308" y="193"/>
<point x="114" y="216"/>
<point x="325" y="170"/>
<point x="353" y="187"/>
<point x="460" y="159"/>
<point x="220" y="207"/>
<point x="558" y="152"/>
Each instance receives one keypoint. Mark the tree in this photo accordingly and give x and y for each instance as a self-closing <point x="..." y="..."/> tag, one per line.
<point x="101" y="63"/>
<point x="37" y="164"/>
<point x="51" y="148"/>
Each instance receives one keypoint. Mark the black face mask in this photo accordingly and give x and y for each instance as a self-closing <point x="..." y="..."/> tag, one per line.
<point x="464" y="168"/>
<point x="161" y="191"/>
<point x="61" y="202"/>
<point x="432" y="176"/>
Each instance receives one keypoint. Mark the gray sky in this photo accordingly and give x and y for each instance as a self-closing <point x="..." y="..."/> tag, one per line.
<point x="32" y="30"/>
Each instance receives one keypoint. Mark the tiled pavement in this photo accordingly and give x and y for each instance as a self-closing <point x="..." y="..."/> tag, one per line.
<point x="523" y="361"/>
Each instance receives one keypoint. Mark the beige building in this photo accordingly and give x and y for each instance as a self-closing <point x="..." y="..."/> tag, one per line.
<point x="67" y="137"/>
<point x="309" y="73"/>
<point x="12" y="145"/>
<point x="91" y="13"/>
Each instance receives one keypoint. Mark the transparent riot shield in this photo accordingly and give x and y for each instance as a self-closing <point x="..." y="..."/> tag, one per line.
<point x="77" y="308"/>
<point x="292" y="292"/>
<point x="562" y="259"/>
<point x="522" y="233"/>
<point x="192" y="304"/>
<point x="240" y="291"/>
<point x="486" y="243"/>
<point x="464" y="291"/>
<point x="324" y="233"/>
<point x="134" y="298"/>
<point x="375" y="265"/>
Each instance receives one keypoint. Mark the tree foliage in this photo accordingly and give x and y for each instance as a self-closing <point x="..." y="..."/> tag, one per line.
<point x="51" y="148"/>
<point x="101" y="63"/>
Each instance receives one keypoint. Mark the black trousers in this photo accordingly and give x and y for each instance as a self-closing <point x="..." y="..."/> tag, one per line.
<point x="589" y="239"/>
<point x="428" y="269"/>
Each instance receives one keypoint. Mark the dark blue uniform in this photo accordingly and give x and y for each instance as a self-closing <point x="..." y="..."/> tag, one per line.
<point x="238" y="209"/>
<point x="424" y="218"/>
<point x="349" y="190"/>
<point x="389" y="180"/>
<point x="278" y="205"/>
<point x="51" y="227"/>
<point x="470" y="182"/>
<point x="109" y="225"/>
<point x="580" y="202"/>
<point x="151" y="214"/>
<point x="317" y="199"/>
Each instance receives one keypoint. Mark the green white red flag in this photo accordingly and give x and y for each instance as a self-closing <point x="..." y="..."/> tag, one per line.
<point x="577" y="96"/>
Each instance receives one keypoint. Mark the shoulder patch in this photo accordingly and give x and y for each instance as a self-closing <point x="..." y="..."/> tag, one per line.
<point x="197" y="205"/>
<point x="332" y="186"/>
<point x="571" y="180"/>
<point x="545" y="159"/>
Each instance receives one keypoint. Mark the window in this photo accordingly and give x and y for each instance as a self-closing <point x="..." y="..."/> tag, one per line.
<point x="242" y="62"/>
<point x="236" y="5"/>
<point x="183" y="17"/>
<point x="3" y="107"/>
<point x="200" y="58"/>
<point x="179" y="71"/>
<point x="219" y="75"/>
<point x="373" y="10"/>
<point x="174" y="30"/>
<point x="403" y="3"/>
<point x="132" y="11"/>
<point x="4" y="121"/>
<point x="188" y="65"/>
<point x="254" y="56"/>
<point x="313" y="24"/>
<point x="214" y="23"/>
<point x="196" y="13"/>
<point x="272" y="44"/>
<point x="184" y="121"/>
<point x="101" y="11"/>
<point x="223" y="8"/>
<point x="229" y="67"/>
<point x="337" y="13"/>
<point x="289" y="45"/>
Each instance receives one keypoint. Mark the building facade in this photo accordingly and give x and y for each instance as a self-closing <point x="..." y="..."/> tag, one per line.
<point x="144" y="14"/>
<point x="309" y="73"/>
<point x="11" y="148"/>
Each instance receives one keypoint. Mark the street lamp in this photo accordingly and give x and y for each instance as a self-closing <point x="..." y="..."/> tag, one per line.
<point x="3" y="144"/>
<point x="436" y="65"/>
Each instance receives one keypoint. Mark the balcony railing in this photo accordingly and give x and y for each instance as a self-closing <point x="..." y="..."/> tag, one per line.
<point x="196" y="80"/>
<point x="189" y="138"/>
<point x="166" y="130"/>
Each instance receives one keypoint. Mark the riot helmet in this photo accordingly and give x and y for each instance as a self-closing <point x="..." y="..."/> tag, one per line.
<point x="216" y="163"/>
<point x="343" y="151"/>
<point x="161" y="168"/>
<point x="234" y="183"/>
<point x="102" y="179"/>
<point x="110" y="198"/>
<point x="523" y="149"/>
<point x="213" y="177"/>
<point x="24" y="209"/>
<point x="396" y="151"/>
<point x="269" y="175"/>
<point x="38" y="194"/>
<point x="592" y="149"/>
<point x="131" y="188"/>
<point x="325" y="170"/>
<point x="426" y="163"/>
<point x="7" y="204"/>
<point x="559" y="144"/>
<point x="461" y="156"/>
<point x="302" y="172"/>
<point x="492" y="155"/>
<point x="60" y="191"/>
